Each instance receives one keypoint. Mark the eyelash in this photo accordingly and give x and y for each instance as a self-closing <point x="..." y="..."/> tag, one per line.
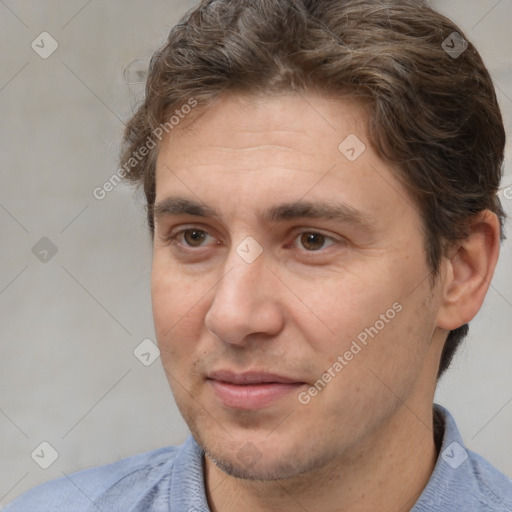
<point x="172" y="239"/>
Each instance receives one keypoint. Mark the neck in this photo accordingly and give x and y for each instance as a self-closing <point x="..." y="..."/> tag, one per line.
<point x="386" y="472"/>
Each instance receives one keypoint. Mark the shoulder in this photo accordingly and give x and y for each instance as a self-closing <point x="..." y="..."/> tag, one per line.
<point x="463" y="479"/>
<point x="494" y="488"/>
<point x="116" y="483"/>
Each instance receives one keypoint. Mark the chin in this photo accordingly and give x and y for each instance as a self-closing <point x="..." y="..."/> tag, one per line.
<point x="275" y="462"/>
<point x="256" y="456"/>
<point x="260" y="469"/>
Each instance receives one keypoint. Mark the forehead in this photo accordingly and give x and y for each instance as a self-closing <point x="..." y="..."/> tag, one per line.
<point x="242" y="151"/>
<point x="238" y="120"/>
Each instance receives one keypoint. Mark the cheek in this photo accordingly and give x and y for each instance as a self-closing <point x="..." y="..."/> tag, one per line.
<point x="338" y="309"/>
<point x="176" y="303"/>
<point x="369" y="317"/>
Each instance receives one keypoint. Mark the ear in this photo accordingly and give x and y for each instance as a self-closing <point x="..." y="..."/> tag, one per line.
<point x="469" y="269"/>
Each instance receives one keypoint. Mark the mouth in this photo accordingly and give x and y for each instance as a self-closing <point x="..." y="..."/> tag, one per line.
<point x="251" y="390"/>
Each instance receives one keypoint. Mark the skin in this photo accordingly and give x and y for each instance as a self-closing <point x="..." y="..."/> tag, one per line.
<point x="365" y="441"/>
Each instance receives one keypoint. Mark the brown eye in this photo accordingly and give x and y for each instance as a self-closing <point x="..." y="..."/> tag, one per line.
<point x="312" y="241"/>
<point x="194" y="237"/>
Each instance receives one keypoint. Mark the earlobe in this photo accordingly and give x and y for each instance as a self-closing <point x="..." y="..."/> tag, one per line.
<point x="469" y="269"/>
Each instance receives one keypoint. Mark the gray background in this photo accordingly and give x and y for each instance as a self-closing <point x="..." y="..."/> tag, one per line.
<point x="69" y="325"/>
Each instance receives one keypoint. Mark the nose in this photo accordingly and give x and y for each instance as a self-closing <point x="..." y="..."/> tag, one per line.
<point x="245" y="302"/>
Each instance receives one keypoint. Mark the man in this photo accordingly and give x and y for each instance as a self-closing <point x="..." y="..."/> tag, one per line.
<point x="321" y="180"/>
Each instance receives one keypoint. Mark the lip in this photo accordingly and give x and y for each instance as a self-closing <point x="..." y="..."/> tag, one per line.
<point x="250" y="377"/>
<point x="251" y="390"/>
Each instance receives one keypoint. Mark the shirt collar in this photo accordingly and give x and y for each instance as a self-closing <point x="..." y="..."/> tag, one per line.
<point x="453" y="467"/>
<point x="188" y="493"/>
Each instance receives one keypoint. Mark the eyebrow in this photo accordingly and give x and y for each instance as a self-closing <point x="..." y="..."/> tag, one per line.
<point x="173" y="206"/>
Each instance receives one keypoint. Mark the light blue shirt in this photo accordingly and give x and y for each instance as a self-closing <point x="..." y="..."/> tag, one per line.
<point x="172" y="479"/>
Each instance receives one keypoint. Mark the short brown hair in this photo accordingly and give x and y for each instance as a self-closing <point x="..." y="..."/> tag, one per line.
<point x="432" y="113"/>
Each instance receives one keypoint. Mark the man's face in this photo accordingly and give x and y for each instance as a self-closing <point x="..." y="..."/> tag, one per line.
<point x="283" y="360"/>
